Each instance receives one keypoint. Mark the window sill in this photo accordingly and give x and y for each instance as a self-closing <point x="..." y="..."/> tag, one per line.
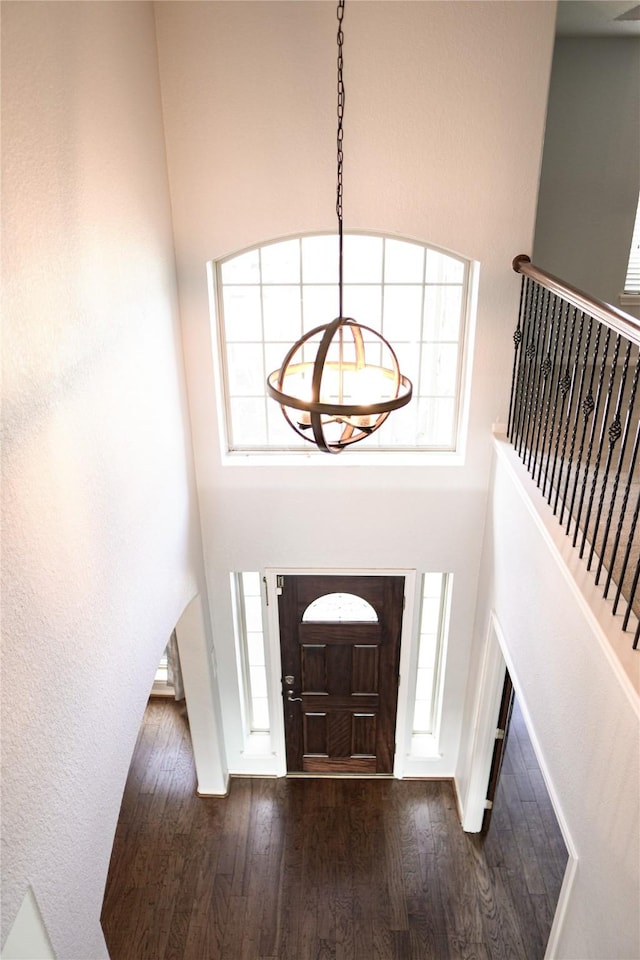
<point x="424" y="746"/>
<point x="384" y="458"/>
<point x="257" y="745"/>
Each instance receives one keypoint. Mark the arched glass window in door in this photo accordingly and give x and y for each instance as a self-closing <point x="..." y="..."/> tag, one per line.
<point x="339" y="608"/>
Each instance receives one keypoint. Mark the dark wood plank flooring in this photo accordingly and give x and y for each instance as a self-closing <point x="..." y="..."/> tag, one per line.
<point x="322" y="869"/>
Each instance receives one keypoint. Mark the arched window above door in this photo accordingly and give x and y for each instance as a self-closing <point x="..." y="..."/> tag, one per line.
<point x="340" y="608"/>
<point x="415" y="295"/>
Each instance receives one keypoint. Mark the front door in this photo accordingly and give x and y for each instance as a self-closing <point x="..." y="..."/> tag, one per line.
<point x="340" y="641"/>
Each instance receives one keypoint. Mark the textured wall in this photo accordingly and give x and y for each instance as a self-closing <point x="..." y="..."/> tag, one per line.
<point x="97" y="549"/>
<point x="443" y="137"/>
<point x="591" y="165"/>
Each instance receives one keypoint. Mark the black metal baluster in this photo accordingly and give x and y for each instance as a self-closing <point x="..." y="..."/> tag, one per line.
<point x="552" y="381"/>
<point x="623" y="448"/>
<point x="518" y="414"/>
<point x="546" y="368"/>
<point x="632" y="592"/>
<point x="538" y="378"/>
<point x="529" y="356"/>
<point x="588" y="406"/>
<point x="565" y="387"/>
<point x="598" y="460"/>
<point x="592" y="433"/>
<point x="627" y="491"/>
<point x="567" y="399"/>
<point x="517" y="340"/>
<point x="615" y="432"/>
<point x="570" y="408"/>
<point x="574" y="432"/>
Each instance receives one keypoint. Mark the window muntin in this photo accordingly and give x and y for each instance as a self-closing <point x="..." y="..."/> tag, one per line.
<point x="340" y="608"/>
<point x="415" y="295"/>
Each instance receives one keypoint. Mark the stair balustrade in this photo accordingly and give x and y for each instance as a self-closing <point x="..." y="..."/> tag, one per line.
<point x="574" y="421"/>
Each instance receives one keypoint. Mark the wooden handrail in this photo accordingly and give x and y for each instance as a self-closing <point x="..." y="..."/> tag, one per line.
<point x="619" y="321"/>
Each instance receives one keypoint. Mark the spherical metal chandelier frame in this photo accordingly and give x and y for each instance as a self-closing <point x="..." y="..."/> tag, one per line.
<point x="317" y="410"/>
<point x="360" y="420"/>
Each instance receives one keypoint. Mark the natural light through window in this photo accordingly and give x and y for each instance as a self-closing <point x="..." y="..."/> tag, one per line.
<point x="632" y="281"/>
<point x="250" y="649"/>
<point x="339" y="608"/>
<point x="432" y="635"/>
<point x="414" y="295"/>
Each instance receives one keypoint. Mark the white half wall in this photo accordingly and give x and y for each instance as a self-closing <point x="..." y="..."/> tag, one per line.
<point x="443" y="139"/>
<point x="591" y="164"/>
<point x="100" y="527"/>
<point x="579" y="683"/>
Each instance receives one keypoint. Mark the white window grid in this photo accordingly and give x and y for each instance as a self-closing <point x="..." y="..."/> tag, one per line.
<point x="414" y="294"/>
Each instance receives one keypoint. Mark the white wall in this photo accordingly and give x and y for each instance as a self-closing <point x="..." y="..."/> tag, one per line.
<point x="100" y="538"/>
<point x="443" y="134"/>
<point x="591" y="164"/>
<point x="579" y="681"/>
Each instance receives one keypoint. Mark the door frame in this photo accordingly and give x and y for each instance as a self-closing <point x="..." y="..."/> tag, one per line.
<point x="274" y="659"/>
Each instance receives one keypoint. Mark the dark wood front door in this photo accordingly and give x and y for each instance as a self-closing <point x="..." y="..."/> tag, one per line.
<point x="340" y="676"/>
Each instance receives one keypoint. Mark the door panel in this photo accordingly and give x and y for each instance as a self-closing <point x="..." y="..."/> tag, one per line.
<point x="340" y="680"/>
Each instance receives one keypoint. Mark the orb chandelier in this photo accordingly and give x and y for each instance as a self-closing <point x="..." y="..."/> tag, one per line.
<point x="339" y="397"/>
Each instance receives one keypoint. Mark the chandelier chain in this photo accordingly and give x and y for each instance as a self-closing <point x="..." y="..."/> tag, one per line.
<point x="326" y="391"/>
<point x="340" y="154"/>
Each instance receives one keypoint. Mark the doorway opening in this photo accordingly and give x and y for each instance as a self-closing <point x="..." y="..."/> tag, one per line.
<point x="520" y="835"/>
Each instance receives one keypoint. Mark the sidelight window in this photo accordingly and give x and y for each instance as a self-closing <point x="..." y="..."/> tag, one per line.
<point x="250" y="651"/>
<point x="433" y="623"/>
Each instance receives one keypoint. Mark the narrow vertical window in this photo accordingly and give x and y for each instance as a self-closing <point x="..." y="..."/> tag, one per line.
<point x="250" y="650"/>
<point x="632" y="280"/>
<point x="433" y="620"/>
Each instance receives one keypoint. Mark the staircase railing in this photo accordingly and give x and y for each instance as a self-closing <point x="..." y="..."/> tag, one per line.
<point x="574" y="420"/>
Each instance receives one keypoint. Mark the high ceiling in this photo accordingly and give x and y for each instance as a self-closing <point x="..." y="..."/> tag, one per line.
<point x="598" y="18"/>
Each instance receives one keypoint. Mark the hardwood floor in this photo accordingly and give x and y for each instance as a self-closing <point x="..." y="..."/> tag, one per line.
<point x="296" y="869"/>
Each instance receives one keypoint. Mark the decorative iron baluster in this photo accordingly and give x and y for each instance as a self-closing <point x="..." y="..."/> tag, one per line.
<point x="627" y="491"/>
<point x="565" y="372"/>
<point x="552" y="381"/>
<point x="569" y="410"/>
<point x="623" y="507"/>
<point x="632" y="591"/>
<point x="598" y="460"/>
<point x="565" y="387"/>
<point x="588" y="406"/>
<point x="535" y="415"/>
<point x="518" y="416"/>
<point x="544" y="381"/>
<point x="574" y="432"/>
<point x="529" y="354"/>
<point x="517" y="340"/>
<point x="592" y="434"/>
<point x="615" y="432"/>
